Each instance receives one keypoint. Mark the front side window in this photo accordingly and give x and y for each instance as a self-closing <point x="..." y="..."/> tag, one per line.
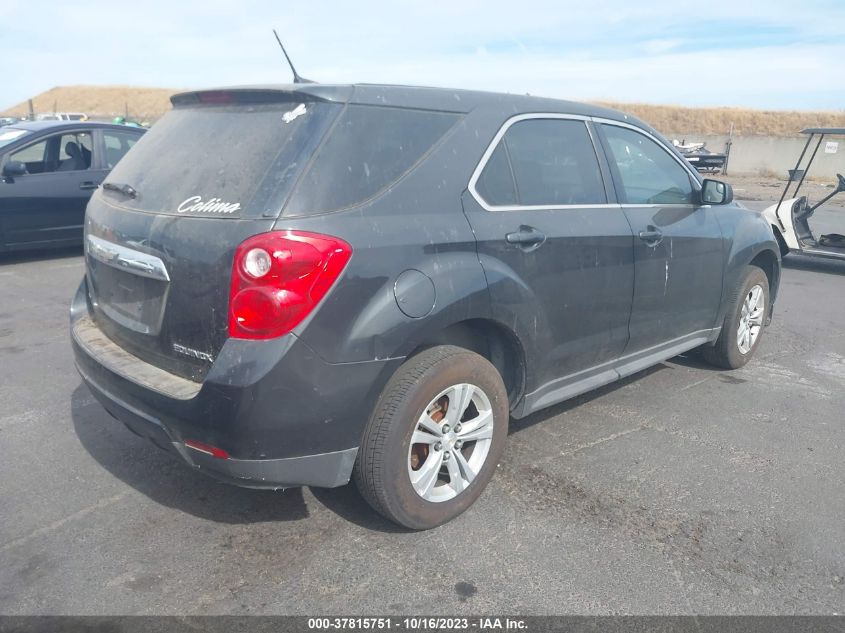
<point x="551" y="162"/>
<point x="33" y="156"/>
<point x="649" y="174"/>
<point x="62" y="152"/>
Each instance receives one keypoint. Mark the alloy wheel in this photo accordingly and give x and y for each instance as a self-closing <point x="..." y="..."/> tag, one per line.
<point x="450" y="442"/>
<point x="751" y="319"/>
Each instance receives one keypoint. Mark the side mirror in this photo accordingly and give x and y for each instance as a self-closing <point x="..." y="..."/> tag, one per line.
<point x="13" y="169"/>
<point x="716" y="192"/>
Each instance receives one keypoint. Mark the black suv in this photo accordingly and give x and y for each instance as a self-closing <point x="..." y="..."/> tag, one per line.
<point x="298" y="285"/>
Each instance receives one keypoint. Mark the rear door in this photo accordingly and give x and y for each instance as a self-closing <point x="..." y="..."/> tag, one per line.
<point x="556" y="248"/>
<point x="47" y="205"/>
<point x="678" y="249"/>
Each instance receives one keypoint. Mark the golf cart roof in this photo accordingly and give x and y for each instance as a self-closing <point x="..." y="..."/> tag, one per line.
<point x="824" y="130"/>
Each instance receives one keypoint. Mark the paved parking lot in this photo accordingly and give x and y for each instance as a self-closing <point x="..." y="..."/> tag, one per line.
<point x="680" y="490"/>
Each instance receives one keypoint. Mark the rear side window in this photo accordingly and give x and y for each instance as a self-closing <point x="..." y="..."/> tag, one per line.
<point x="369" y="149"/>
<point x="117" y="144"/>
<point x="496" y="184"/>
<point x="649" y="174"/>
<point x="552" y="161"/>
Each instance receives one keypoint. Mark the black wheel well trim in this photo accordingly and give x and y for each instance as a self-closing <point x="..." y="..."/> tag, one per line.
<point x="492" y="340"/>
<point x="768" y="261"/>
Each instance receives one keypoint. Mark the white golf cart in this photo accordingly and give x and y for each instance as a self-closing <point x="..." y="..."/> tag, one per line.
<point x="790" y="216"/>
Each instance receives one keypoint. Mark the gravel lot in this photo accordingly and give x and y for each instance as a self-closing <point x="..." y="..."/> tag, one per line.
<point x="680" y="490"/>
<point x="759" y="189"/>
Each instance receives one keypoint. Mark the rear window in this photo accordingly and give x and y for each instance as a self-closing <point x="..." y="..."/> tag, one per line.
<point x="224" y="161"/>
<point x="368" y="150"/>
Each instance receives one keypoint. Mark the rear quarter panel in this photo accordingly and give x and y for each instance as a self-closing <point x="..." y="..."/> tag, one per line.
<point x="417" y="224"/>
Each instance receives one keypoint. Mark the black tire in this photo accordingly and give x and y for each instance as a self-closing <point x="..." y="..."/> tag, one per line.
<point x="726" y="353"/>
<point x="382" y="467"/>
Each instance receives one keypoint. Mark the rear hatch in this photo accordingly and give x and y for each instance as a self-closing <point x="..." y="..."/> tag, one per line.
<point x="162" y="232"/>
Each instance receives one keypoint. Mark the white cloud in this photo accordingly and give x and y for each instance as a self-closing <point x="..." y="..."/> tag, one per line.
<point x="604" y="49"/>
<point x="660" y="46"/>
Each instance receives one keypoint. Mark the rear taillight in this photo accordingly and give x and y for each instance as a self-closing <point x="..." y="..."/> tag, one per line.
<point x="279" y="277"/>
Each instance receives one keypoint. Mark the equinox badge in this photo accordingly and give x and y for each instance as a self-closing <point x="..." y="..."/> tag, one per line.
<point x="193" y="353"/>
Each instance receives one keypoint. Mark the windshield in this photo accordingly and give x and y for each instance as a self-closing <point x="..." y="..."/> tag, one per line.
<point x="10" y="135"/>
<point x="225" y="161"/>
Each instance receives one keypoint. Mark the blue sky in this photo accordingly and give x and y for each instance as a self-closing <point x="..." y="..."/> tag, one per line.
<point x="779" y="55"/>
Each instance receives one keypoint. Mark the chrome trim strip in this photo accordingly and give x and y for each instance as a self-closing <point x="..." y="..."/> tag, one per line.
<point x="668" y="204"/>
<point x="476" y="174"/>
<point x="118" y="256"/>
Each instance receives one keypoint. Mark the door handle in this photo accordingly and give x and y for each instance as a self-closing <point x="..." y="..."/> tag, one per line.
<point x="89" y="184"/>
<point x="652" y="236"/>
<point x="527" y="238"/>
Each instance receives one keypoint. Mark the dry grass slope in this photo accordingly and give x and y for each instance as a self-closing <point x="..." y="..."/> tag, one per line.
<point x="104" y="102"/>
<point x="100" y="102"/>
<point x="679" y="121"/>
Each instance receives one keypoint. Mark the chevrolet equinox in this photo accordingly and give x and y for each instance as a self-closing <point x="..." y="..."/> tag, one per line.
<point x="299" y="285"/>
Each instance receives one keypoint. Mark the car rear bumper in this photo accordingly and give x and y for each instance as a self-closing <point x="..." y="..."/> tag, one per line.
<point x="281" y="415"/>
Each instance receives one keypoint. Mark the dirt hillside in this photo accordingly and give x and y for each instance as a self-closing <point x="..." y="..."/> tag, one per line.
<point x="679" y="120"/>
<point x="99" y="102"/>
<point x="103" y="102"/>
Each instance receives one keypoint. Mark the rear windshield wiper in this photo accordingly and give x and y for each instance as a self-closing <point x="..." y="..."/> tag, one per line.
<point x="125" y="189"/>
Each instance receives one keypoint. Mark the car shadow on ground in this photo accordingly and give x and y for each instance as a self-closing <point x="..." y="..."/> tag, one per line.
<point x="347" y="503"/>
<point x="166" y="480"/>
<point x="814" y="264"/>
<point x="692" y="360"/>
<point x="21" y="257"/>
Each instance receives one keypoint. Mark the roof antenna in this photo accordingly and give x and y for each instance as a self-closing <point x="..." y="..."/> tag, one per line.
<point x="297" y="79"/>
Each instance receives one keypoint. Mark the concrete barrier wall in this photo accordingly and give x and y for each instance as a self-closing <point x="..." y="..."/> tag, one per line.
<point x="769" y="154"/>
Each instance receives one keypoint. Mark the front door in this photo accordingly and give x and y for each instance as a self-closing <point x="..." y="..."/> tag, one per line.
<point x="557" y="252"/>
<point x="678" y="246"/>
<point x="47" y="204"/>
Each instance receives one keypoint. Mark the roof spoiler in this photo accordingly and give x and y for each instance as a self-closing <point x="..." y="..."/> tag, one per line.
<point x="257" y="95"/>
